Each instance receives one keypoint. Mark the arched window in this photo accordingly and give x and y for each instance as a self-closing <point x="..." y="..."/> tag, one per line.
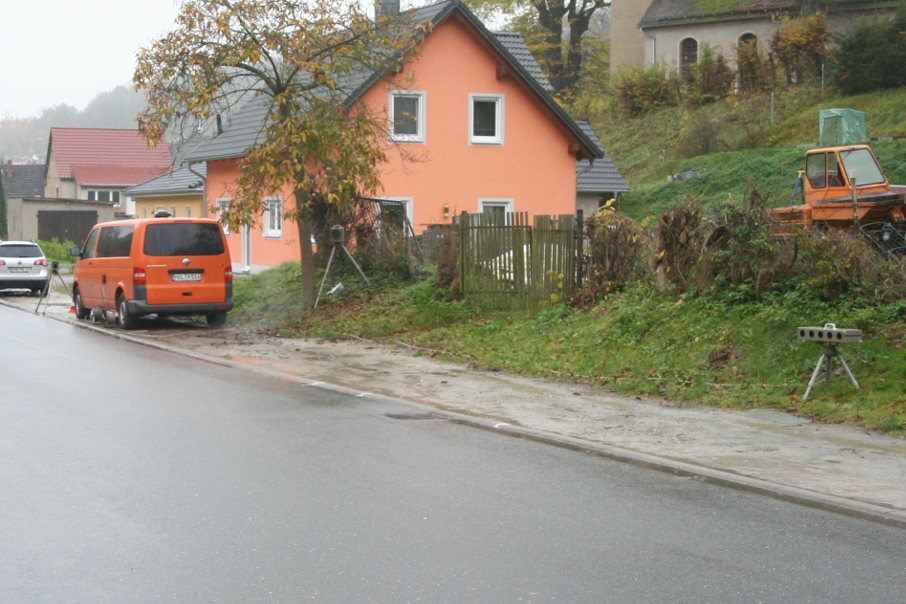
<point x="688" y="55"/>
<point x="748" y="38"/>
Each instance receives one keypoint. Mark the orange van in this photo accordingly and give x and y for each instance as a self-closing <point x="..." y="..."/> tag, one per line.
<point x="162" y="266"/>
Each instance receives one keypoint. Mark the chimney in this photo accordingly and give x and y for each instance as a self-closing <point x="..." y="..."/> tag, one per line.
<point x="9" y="168"/>
<point x="386" y="8"/>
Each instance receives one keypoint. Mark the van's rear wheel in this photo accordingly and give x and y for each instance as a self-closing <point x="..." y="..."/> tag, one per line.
<point x="124" y="318"/>
<point x="216" y="319"/>
<point x="80" y="311"/>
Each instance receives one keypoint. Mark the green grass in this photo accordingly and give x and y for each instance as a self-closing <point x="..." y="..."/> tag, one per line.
<point x="693" y="350"/>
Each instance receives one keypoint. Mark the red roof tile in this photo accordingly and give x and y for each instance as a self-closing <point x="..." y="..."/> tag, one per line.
<point x="113" y="176"/>
<point x="95" y="156"/>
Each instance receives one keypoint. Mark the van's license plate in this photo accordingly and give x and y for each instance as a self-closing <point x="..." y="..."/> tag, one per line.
<point x="185" y="276"/>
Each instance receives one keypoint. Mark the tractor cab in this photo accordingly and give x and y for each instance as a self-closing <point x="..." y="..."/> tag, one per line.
<point x="843" y="187"/>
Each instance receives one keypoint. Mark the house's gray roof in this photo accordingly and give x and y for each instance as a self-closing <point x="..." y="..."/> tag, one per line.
<point x="26" y="181"/>
<point x="664" y="13"/>
<point x="600" y="176"/>
<point x="177" y="182"/>
<point x="515" y="45"/>
<point x="247" y="125"/>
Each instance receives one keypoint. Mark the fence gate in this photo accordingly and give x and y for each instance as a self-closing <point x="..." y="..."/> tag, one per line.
<point x="506" y="264"/>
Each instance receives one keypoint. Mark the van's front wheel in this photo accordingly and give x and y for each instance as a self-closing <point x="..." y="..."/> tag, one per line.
<point x="216" y="319"/>
<point x="124" y="318"/>
<point x="80" y="311"/>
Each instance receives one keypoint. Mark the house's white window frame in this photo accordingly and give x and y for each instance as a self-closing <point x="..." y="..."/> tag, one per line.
<point x="408" y="201"/>
<point x="506" y="203"/>
<point x="273" y="217"/>
<point x="222" y="204"/>
<point x="113" y="194"/>
<point x="421" y="96"/>
<point x="188" y="211"/>
<point x="500" y="106"/>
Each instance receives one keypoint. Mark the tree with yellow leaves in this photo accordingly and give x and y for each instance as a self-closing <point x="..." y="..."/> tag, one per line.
<point x="307" y="61"/>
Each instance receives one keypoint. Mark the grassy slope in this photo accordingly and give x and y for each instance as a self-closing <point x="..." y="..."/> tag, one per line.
<point x="752" y="149"/>
<point x="690" y="349"/>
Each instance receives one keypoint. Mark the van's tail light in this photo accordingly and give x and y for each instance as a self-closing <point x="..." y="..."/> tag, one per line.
<point x="139" y="277"/>
<point x="2" y="262"/>
<point x="228" y="275"/>
<point x="41" y="262"/>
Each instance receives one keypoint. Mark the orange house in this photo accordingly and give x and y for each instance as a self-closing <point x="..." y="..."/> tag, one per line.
<point x="476" y="111"/>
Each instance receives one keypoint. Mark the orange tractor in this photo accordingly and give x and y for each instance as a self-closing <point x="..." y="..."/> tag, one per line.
<point x="844" y="187"/>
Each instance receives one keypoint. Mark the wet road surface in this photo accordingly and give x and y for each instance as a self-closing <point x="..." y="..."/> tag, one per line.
<point x="129" y="474"/>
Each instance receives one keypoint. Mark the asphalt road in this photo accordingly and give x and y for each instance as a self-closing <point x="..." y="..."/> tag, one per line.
<point x="129" y="474"/>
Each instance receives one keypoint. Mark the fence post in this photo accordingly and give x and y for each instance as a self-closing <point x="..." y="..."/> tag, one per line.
<point x="580" y="241"/>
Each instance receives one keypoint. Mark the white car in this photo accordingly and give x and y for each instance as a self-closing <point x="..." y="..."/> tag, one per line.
<point x="23" y="266"/>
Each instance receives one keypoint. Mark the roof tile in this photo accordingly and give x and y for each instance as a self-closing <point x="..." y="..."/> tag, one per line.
<point x="106" y="156"/>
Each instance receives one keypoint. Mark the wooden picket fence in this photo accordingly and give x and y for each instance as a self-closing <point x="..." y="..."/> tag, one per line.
<point x="507" y="263"/>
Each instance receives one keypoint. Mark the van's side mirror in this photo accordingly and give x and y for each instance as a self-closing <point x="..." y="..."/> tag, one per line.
<point x="75" y="251"/>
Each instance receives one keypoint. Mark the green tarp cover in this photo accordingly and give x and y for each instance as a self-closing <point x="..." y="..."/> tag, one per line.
<point x="841" y="127"/>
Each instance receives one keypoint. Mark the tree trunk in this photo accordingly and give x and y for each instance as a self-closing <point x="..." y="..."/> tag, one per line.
<point x="550" y="17"/>
<point x="304" y="222"/>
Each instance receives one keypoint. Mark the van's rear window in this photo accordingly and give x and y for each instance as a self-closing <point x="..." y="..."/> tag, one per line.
<point x="183" y="239"/>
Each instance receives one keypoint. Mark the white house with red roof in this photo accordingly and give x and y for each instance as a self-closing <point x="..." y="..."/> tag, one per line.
<point x="96" y="164"/>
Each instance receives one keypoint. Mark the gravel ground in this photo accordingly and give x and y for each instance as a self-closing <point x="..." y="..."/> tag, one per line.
<point x="840" y="467"/>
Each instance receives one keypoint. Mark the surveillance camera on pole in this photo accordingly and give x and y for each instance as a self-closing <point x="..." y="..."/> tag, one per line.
<point x="337" y="238"/>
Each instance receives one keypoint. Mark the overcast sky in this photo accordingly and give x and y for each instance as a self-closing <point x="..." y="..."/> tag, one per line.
<point x="68" y="51"/>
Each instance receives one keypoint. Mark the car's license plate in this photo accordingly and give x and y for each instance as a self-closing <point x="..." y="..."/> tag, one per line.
<point x="186" y="276"/>
<point x="19" y="269"/>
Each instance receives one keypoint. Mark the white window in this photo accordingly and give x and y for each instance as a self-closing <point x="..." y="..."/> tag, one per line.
<point x="188" y="211"/>
<point x="222" y="206"/>
<point x="407" y="116"/>
<point x="486" y="119"/>
<point x="104" y="195"/>
<point x="273" y="217"/>
<point x="396" y="212"/>
<point x="501" y="208"/>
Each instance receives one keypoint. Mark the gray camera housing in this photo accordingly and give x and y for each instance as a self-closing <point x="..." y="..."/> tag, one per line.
<point x="830" y="334"/>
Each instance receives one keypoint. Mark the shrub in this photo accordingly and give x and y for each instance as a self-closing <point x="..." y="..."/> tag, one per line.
<point x="739" y="254"/>
<point x="679" y="243"/>
<point x="844" y="263"/>
<point x="698" y="135"/>
<point x="616" y="254"/>
<point x="800" y="45"/>
<point x="755" y="71"/>
<point x="870" y="55"/>
<point x="710" y="79"/>
<point x="639" y="90"/>
<point x="57" y="251"/>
